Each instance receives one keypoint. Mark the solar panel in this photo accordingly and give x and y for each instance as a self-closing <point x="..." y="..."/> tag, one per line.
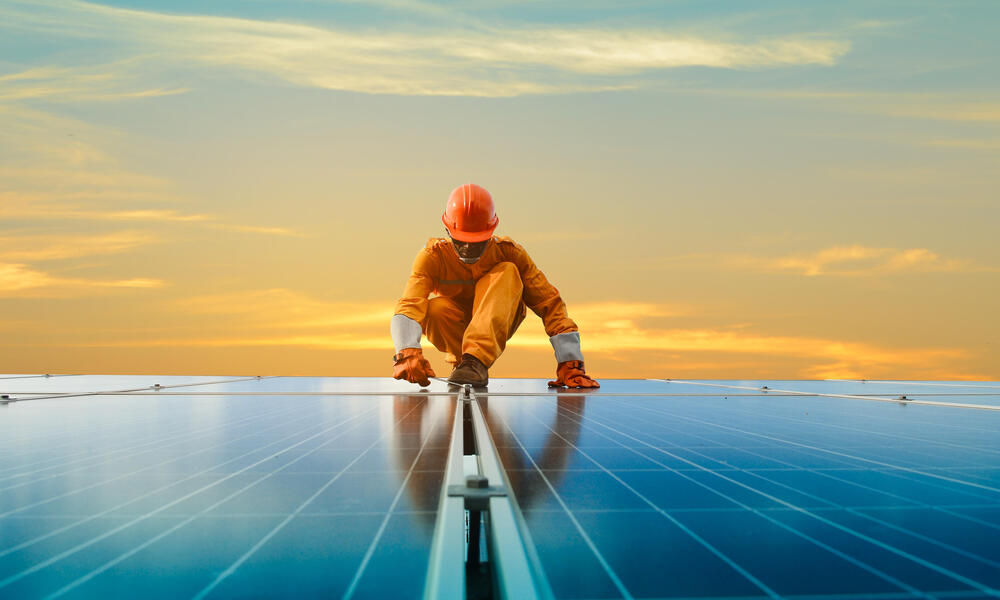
<point x="228" y="495"/>
<point x="147" y="486"/>
<point x="762" y="495"/>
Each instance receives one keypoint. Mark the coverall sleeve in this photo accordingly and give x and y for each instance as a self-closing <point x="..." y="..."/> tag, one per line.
<point x="419" y="286"/>
<point x="541" y="296"/>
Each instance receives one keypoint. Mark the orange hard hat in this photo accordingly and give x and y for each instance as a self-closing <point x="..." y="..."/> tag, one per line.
<point x="470" y="216"/>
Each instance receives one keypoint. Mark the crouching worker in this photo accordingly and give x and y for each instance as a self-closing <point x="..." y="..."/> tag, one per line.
<point x="482" y="286"/>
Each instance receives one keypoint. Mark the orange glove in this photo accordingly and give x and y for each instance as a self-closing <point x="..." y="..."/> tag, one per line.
<point x="570" y="374"/>
<point x="412" y="366"/>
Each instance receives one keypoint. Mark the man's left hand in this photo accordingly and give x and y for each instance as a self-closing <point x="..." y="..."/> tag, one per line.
<point x="570" y="373"/>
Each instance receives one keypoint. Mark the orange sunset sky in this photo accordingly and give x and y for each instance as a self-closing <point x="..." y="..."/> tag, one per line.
<point x="719" y="190"/>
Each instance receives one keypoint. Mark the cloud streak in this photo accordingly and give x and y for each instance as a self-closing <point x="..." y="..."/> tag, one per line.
<point x="610" y="330"/>
<point x="56" y="247"/>
<point x="613" y="329"/>
<point x="941" y="106"/>
<point x="843" y="261"/>
<point x="859" y="260"/>
<point x="484" y="61"/>
<point x="286" y="309"/>
<point x="62" y="84"/>
<point x="22" y="281"/>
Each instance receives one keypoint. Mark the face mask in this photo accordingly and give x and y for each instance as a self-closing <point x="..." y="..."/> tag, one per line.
<point x="469" y="252"/>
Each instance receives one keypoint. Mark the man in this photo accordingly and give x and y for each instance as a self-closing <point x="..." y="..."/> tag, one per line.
<point x="483" y="284"/>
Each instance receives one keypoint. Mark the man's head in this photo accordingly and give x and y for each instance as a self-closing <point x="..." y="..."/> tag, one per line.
<point x="470" y="219"/>
<point x="469" y="214"/>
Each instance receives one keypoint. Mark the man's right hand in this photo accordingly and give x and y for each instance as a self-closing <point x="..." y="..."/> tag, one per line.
<point x="411" y="365"/>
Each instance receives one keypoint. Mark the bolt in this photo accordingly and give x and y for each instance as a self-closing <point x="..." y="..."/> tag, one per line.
<point x="476" y="481"/>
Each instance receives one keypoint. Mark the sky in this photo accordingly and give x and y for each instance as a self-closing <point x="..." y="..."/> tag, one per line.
<point x="782" y="189"/>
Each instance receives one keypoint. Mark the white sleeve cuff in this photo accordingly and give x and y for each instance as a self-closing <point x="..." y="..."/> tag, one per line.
<point x="567" y="346"/>
<point x="405" y="332"/>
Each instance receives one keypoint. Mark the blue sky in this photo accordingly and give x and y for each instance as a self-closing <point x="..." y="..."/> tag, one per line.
<point x="726" y="184"/>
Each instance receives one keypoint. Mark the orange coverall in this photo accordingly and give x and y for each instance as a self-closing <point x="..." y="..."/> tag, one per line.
<point x="478" y="307"/>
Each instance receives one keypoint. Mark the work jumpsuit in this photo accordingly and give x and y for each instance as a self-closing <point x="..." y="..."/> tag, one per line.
<point x="476" y="308"/>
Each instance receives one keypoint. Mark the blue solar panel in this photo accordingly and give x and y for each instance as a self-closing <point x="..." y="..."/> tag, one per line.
<point x="764" y="495"/>
<point x="318" y="487"/>
<point x="187" y="496"/>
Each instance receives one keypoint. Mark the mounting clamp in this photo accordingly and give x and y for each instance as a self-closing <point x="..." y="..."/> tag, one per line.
<point x="477" y="492"/>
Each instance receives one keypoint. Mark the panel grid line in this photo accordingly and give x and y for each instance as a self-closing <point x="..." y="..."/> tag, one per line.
<point x="232" y="568"/>
<point x="583" y="534"/>
<point x="89" y="487"/>
<point x="859" y="430"/>
<point x="700" y="540"/>
<point x="119" y="506"/>
<point x="353" y="586"/>
<point x="848" y="396"/>
<point x="972" y="583"/>
<point x="822" y="472"/>
<point x="181" y="436"/>
<point x="755" y="473"/>
<point x="107" y="565"/>
<point x="827" y="450"/>
<point x="40" y="565"/>
<point x="858" y="513"/>
<point x="139" y="389"/>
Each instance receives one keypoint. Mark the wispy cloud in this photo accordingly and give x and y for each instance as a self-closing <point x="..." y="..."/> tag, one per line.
<point x="613" y="329"/>
<point x="62" y="84"/>
<point x="859" y="260"/>
<point x="970" y="144"/>
<point x="21" y="280"/>
<point x="950" y="111"/>
<point x="55" y="247"/>
<point x="328" y="341"/>
<point x="62" y="171"/>
<point x="938" y="106"/>
<point x="844" y="261"/>
<point x="29" y="206"/>
<point x="259" y="229"/>
<point x="491" y="61"/>
<point x="284" y="308"/>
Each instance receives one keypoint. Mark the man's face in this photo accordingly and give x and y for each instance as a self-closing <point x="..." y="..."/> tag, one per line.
<point x="469" y="252"/>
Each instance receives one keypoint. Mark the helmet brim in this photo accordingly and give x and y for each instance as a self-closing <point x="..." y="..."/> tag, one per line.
<point x="469" y="236"/>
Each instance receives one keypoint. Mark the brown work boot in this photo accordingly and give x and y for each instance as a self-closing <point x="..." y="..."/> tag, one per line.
<point x="471" y="371"/>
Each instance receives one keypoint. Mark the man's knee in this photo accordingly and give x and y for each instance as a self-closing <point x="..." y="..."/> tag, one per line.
<point x="507" y="272"/>
<point x="444" y="311"/>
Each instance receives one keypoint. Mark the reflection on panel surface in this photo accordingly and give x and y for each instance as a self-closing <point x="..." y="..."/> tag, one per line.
<point x="639" y="489"/>
<point x="754" y="496"/>
<point x="228" y="496"/>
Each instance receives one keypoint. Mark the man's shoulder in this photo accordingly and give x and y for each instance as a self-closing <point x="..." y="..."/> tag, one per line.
<point x="430" y="256"/>
<point x="508" y="245"/>
<point x="435" y="244"/>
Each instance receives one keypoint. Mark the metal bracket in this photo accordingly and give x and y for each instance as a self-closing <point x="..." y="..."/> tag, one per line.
<point x="477" y="492"/>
